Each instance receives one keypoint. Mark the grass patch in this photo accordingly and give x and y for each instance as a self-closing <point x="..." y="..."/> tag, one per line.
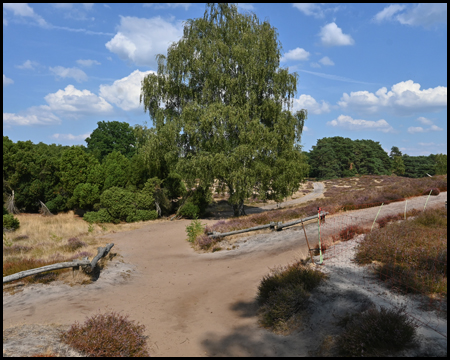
<point x="412" y="255"/>
<point x="284" y="292"/>
<point x="107" y="335"/>
<point x="44" y="241"/>
<point x="376" y="333"/>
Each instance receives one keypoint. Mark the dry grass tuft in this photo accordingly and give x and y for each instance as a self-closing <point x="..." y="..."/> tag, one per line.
<point x="43" y="241"/>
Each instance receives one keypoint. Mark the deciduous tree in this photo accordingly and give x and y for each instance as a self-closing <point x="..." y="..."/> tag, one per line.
<point x="225" y="102"/>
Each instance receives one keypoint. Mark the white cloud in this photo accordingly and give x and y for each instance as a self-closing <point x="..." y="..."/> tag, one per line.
<point x="405" y="98"/>
<point x="139" y="40"/>
<point x="36" y="115"/>
<point x="75" y="73"/>
<point x="425" y="14"/>
<point x="424" y="120"/>
<point x="326" y="61"/>
<point x="72" y="101"/>
<point x="347" y="122"/>
<point x="125" y="92"/>
<point x="315" y="65"/>
<point x="296" y="54"/>
<point x="309" y="9"/>
<point x="388" y="12"/>
<point x="70" y="136"/>
<point x="22" y="9"/>
<point x="28" y="65"/>
<point x="67" y="103"/>
<point x="309" y="103"/>
<point x="416" y="129"/>
<point x="87" y="62"/>
<point x="7" y="81"/>
<point x="332" y="35"/>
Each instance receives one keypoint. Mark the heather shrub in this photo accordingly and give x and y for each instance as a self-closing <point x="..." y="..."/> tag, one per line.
<point x="16" y="249"/>
<point x="21" y="237"/>
<point x="433" y="191"/>
<point x="382" y="222"/>
<point x="10" y="222"/>
<point x="205" y="242"/>
<point x="284" y="292"/>
<point x="107" y="335"/>
<point x="376" y="333"/>
<point x="74" y="244"/>
<point x="350" y="232"/>
<point x="412" y="254"/>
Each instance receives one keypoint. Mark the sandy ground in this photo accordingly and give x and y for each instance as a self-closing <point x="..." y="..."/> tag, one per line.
<point x="204" y="304"/>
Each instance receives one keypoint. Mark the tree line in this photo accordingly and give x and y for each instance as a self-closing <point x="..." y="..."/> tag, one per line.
<point x="337" y="157"/>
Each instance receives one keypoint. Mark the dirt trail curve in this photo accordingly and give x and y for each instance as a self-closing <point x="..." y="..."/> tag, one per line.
<point x="191" y="304"/>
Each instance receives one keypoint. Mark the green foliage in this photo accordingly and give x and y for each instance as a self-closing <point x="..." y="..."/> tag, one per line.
<point x="342" y="157"/>
<point x="201" y="197"/>
<point x="111" y="136"/>
<point x="5" y="212"/>
<point x="107" y="335"/>
<point x="189" y="210"/>
<point x="419" y="166"/>
<point x="226" y="108"/>
<point x="119" y="203"/>
<point x="174" y="186"/>
<point x="10" y="222"/>
<point x="101" y="216"/>
<point x="85" y="196"/>
<point x="194" y="229"/>
<point x="59" y="203"/>
<point x="398" y="166"/>
<point x="74" y="167"/>
<point x="441" y="164"/>
<point x="116" y="170"/>
<point x="376" y="333"/>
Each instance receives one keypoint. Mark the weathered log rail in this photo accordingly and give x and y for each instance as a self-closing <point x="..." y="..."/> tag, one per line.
<point x="85" y="264"/>
<point x="273" y="225"/>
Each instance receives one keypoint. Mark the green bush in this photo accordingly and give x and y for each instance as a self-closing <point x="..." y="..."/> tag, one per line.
<point x="101" y="216"/>
<point x="10" y="222"/>
<point x="85" y="196"/>
<point x="119" y="202"/>
<point x="194" y="229"/>
<point x="5" y="212"/>
<point x="143" y="215"/>
<point x="200" y="197"/>
<point x="189" y="210"/>
<point x="376" y="333"/>
<point x="59" y="203"/>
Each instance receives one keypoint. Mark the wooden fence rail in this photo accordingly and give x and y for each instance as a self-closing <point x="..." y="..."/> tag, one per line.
<point x="84" y="263"/>
<point x="276" y="226"/>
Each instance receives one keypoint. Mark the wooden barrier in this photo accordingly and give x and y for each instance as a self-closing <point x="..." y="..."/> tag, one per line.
<point x="276" y="226"/>
<point x="84" y="263"/>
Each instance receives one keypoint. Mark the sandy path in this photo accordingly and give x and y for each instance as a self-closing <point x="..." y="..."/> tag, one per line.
<point x="191" y="304"/>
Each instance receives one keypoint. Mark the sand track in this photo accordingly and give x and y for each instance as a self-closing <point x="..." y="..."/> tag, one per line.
<point x="191" y="304"/>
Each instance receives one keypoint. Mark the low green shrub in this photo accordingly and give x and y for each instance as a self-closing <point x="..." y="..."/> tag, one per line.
<point x="101" y="216"/>
<point x="10" y="222"/>
<point x="376" y="333"/>
<point x="189" y="210"/>
<point x="194" y="229"/>
<point x="143" y="215"/>
<point x="107" y="335"/>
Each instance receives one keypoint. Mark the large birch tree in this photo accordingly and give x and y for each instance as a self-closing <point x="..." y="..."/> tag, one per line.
<point x="222" y="98"/>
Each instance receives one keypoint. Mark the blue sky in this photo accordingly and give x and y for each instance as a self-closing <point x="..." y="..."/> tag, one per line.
<point x="366" y="71"/>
